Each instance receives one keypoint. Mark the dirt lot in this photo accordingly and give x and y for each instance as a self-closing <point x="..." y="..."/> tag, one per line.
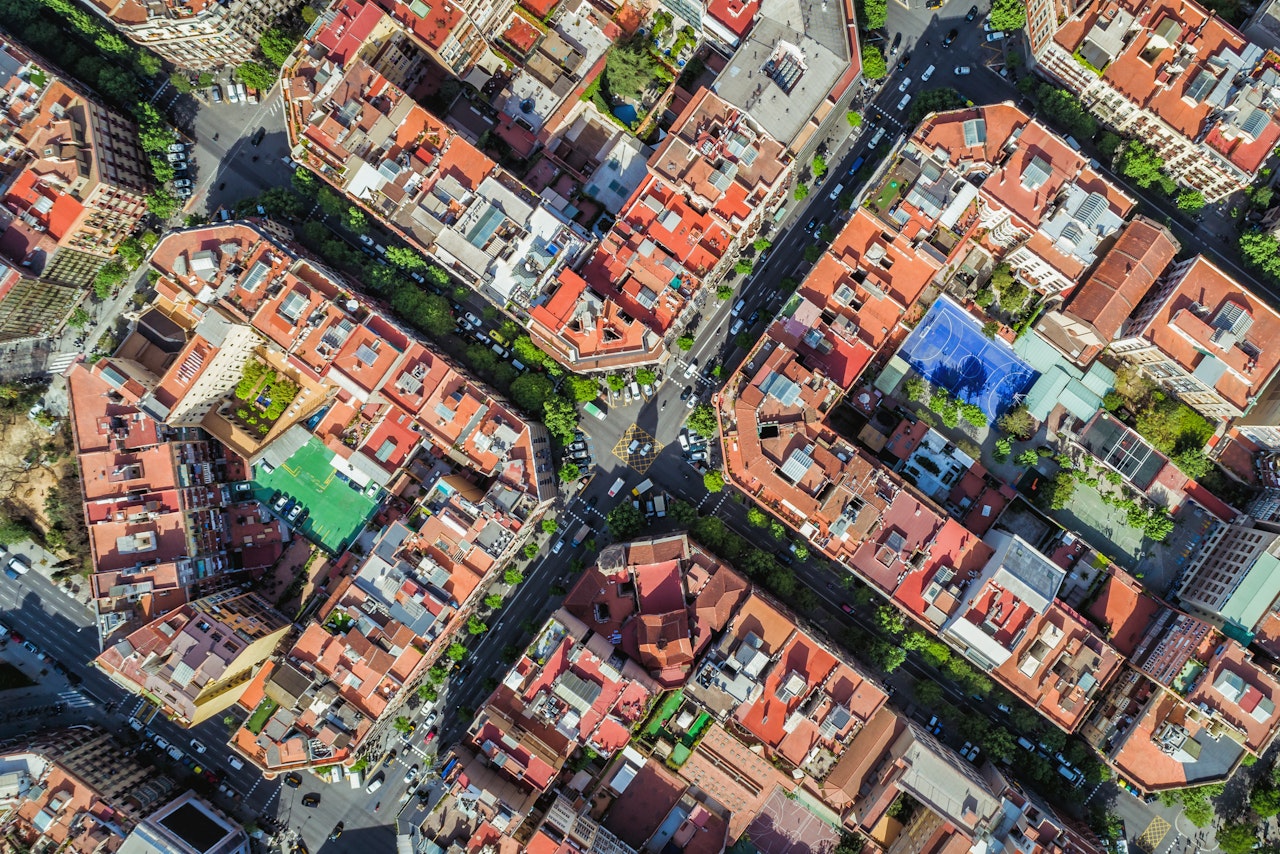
<point x="32" y="463"/>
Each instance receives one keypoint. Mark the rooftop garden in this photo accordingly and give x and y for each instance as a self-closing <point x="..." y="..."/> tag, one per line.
<point x="264" y="396"/>
<point x="634" y="78"/>
<point x="261" y="715"/>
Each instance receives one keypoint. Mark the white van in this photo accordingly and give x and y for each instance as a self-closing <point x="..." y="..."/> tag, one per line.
<point x="875" y="139"/>
<point x="906" y="99"/>
<point x="617" y="486"/>
<point x="928" y="72"/>
<point x="836" y="191"/>
<point x="738" y="307"/>
<point x="235" y="763"/>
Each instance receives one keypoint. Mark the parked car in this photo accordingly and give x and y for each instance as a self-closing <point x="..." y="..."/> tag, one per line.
<point x="472" y="319"/>
<point x="962" y="70"/>
<point x="293" y="780"/>
<point x="197" y="746"/>
<point x="950" y="37"/>
<point x="366" y="240"/>
<point x="177" y="147"/>
<point x="181" y="182"/>
<point x="995" y="37"/>
<point x="971" y="14"/>
<point x="215" y="93"/>
<point x="736" y="328"/>
<point x="375" y="784"/>
<point x="295" y="513"/>
<point x="18" y="564"/>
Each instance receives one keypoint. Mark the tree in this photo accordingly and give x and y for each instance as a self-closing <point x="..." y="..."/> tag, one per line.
<point x="916" y="388"/>
<point x="528" y="352"/>
<point x="874" y="13"/>
<point x="356" y="220"/>
<point x="276" y="44"/>
<point x="1260" y="196"/>
<point x="973" y="413"/>
<point x="255" y="76"/>
<point x="929" y="694"/>
<point x="1237" y="837"/>
<point x="625" y="521"/>
<point x="1191" y="201"/>
<point x="560" y="418"/>
<point x="854" y="118"/>
<point x="531" y="391"/>
<point x="1027" y="458"/>
<point x="682" y="512"/>
<point x="888" y="657"/>
<point x="549" y="526"/>
<point x="724" y="293"/>
<point x="1193" y="463"/>
<point x="685" y="342"/>
<point x="984" y="297"/>
<point x="455" y="652"/>
<point x="801" y="192"/>
<point x="778" y="530"/>
<point x="819" y="166"/>
<point x="616" y="382"/>
<point x="1058" y="491"/>
<point x="581" y="389"/>
<point x="110" y="276"/>
<point x="1008" y="15"/>
<point x="812" y="253"/>
<point x="476" y="626"/>
<point x="890" y="620"/>
<point x="569" y="472"/>
<point x="1065" y="110"/>
<point x="702" y="420"/>
<point x="873" y="65"/>
<point x="205" y="80"/>
<point x="744" y="266"/>
<point x="282" y="202"/>
<point x="79" y="318"/>
<point x="406" y="258"/>
<point x="801" y="551"/>
<point x="1017" y="422"/>
<point x="511" y="577"/>
<point x="1141" y="164"/>
<point x="756" y="518"/>
<point x="402" y="725"/>
<point x="1261" y="250"/>
<point x="999" y="743"/>
<point x="761" y="244"/>
<point x="1013" y="295"/>
<point x="644" y="376"/>
<point x="428" y="312"/>
<point x="162" y="204"/>
<point x="713" y="481"/>
<point x="935" y="101"/>
<point x="1265" y="801"/>
<point x="428" y="693"/>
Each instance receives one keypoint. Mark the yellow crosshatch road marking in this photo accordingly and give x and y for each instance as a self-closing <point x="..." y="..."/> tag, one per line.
<point x="1150" y="839"/>
<point x="638" y="461"/>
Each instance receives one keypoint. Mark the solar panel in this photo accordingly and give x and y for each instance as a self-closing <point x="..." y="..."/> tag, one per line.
<point x="1233" y="318"/>
<point x="797" y="465"/>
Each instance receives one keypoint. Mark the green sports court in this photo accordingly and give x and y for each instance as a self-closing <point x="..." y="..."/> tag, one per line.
<point x="337" y="508"/>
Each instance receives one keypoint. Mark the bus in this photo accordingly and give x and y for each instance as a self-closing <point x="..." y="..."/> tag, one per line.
<point x="592" y="409"/>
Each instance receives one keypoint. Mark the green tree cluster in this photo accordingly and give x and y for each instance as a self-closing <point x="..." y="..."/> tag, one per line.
<point x="1141" y="164"/>
<point x="255" y="75"/>
<point x="873" y="65"/>
<point x="934" y="101"/>
<point x="713" y="481"/>
<point x="625" y="521"/>
<point x="702" y="420"/>
<point x="276" y="44"/>
<point x="1008" y="15"/>
<point x="873" y="15"/>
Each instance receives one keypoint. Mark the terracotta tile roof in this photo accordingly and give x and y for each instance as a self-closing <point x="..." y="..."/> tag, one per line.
<point x="1123" y="277"/>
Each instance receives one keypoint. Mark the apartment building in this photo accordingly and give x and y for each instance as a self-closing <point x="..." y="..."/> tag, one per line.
<point x="1018" y="192"/>
<point x="571" y="689"/>
<point x="199" y="36"/>
<point x="1232" y="580"/>
<point x="1097" y="311"/>
<point x="1171" y="74"/>
<point x="77" y="180"/>
<point x="664" y="599"/>
<point x="199" y="658"/>
<point x="1202" y="336"/>
<point x="100" y="776"/>
<point x="188" y="825"/>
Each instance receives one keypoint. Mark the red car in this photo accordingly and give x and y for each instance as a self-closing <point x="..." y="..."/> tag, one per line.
<point x="844" y="606"/>
<point x="431" y="733"/>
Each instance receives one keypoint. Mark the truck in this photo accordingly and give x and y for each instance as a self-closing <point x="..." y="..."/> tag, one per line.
<point x="660" y="505"/>
<point x="642" y="487"/>
<point x="592" y="409"/>
<point x="580" y="535"/>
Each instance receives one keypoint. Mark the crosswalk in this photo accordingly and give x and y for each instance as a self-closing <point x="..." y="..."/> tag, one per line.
<point x="74" y="700"/>
<point x="719" y="498"/>
<point x="61" y="362"/>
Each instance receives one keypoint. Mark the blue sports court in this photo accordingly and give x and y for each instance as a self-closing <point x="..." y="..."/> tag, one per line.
<point x="949" y="350"/>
